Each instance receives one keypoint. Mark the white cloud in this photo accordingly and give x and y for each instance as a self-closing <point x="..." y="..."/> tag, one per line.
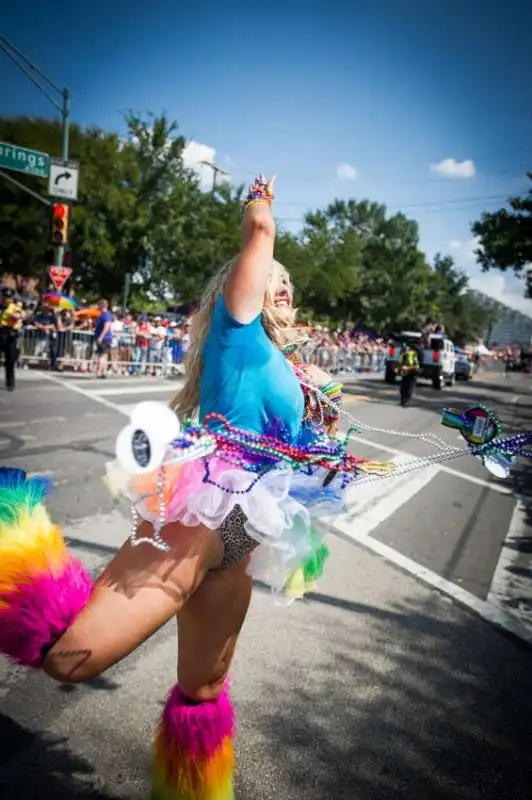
<point x="346" y="172"/>
<point x="496" y="285"/>
<point x="454" y="169"/>
<point x="193" y="154"/>
<point x="464" y="250"/>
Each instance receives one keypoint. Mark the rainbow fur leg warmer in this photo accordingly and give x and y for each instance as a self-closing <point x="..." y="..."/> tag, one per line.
<point x="194" y="757"/>
<point x="42" y="588"/>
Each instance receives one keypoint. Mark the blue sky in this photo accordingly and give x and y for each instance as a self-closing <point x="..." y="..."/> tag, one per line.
<point x="386" y="99"/>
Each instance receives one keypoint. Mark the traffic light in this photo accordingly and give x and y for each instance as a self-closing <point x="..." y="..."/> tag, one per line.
<point x="60" y="218"/>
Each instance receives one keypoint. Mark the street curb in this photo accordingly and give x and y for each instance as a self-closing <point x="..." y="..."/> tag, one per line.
<point x="502" y="621"/>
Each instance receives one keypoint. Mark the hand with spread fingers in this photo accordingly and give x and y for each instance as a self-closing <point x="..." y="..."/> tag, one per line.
<point x="257" y="204"/>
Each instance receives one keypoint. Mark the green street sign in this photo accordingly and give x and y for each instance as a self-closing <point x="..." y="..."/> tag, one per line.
<point x="20" y="159"/>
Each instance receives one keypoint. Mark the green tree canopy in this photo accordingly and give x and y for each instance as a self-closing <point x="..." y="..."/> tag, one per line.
<point x="142" y="212"/>
<point x="506" y="238"/>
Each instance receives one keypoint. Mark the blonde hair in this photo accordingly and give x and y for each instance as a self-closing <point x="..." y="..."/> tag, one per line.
<point x="279" y="324"/>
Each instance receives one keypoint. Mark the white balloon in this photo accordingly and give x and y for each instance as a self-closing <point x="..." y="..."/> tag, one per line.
<point x="123" y="450"/>
<point x="138" y="451"/>
<point x="156" y="419"/>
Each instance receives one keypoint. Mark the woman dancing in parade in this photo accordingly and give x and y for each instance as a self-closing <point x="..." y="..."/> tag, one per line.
<point x="237" y="496"/>
<point x="53" y="617"/>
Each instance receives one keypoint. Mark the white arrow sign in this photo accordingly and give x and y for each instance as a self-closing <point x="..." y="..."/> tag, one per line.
<point x="63" y="179"/>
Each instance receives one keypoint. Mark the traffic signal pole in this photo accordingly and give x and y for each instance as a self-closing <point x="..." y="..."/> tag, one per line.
<point x="65" y="114"/>
<point x="30" y="70"/>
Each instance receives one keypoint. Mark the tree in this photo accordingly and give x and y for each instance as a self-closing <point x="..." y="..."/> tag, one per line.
<point x="24" y="222"/>
<point x="124" y="186"/>
<point x="126" y="219"/>
<point x="465" y="318"/>
<point x="365" y="267"/>
<point x="193" y="233"/>
<point x="505" y="238"/>
<point x="142" y="212"/>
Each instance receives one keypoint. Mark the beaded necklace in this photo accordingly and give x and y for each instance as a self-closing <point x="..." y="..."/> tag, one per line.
<point x="316" y="411"/>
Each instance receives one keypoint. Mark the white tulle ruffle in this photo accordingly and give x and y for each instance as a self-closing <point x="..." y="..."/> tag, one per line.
<point x="280" y="509"/>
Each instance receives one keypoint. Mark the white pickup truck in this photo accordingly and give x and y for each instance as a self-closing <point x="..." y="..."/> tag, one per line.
<point x="437" y="359"/>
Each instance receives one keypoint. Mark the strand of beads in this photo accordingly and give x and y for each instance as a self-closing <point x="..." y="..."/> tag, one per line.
<point x="193" y="444"/>
<point x="330" y="455"/>
<point x="514" y="444"/>
<point x="135" y="539"/>
<point x="428" y="438"/>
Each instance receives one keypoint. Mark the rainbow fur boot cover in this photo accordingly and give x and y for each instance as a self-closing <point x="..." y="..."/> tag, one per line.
<point x="194" y="757"/>
<point x="42" y="588"/>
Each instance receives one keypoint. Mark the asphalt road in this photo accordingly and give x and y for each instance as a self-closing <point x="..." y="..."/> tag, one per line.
<point x="377" y="686"/>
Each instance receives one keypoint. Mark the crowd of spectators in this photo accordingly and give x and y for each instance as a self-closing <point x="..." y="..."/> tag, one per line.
<point x="157" y="343"/>
<point x="137" y="343"/>
<point x="357" y="340"/>
<point x="153" y="343"/>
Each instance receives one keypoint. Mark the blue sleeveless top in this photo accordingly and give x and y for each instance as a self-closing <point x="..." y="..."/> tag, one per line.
<point x="246" y="378"/>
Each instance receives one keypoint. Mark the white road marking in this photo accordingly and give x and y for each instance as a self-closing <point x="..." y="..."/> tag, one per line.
<point x="507" y="585"/>
<point x="358" y="530"/>
<point x="36" y="421"/>
<point x="372" y="503"/>
<point x="85" y="393"/>
<point x="373" y="515"/>
<point x="138" y="389"/>
<point x="496" y="487"/>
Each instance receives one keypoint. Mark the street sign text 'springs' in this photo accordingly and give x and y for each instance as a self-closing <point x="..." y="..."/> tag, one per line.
<point x="20" y="159"/>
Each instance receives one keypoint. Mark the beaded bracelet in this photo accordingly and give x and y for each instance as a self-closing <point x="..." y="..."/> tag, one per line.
<point x="262" y="195"/>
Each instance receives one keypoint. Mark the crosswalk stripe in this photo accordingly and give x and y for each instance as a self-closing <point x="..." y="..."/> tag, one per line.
<point x="139" y="388"/>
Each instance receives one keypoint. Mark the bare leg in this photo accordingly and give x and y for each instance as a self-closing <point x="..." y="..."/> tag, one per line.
<point x="102" y="365"/>
<point x="141" y="589"/>
<point x="194" y="753"/>
<point x="209" y="625"/>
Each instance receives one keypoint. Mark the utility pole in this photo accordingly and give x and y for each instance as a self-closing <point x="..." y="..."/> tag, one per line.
<point x="30" y="70"/>
<point x="216" y="170"/>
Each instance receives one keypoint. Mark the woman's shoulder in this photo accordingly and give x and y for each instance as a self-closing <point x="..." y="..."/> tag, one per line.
<point x="224" y="324"/>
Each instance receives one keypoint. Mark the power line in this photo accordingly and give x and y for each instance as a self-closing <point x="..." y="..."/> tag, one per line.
<point x="431" y="207"/>
<point x="481" y="198"/>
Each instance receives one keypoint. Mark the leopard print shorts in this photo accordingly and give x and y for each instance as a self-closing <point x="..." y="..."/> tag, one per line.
<point x="236" y="541"/>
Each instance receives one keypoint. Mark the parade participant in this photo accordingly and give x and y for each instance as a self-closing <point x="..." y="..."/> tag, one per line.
<point x="75" y="630"/>
<point x="408" y="369"/>
<point x="10" y="324"/>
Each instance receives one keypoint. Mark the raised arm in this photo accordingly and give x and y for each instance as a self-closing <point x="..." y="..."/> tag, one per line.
<point x="246" y="285"/>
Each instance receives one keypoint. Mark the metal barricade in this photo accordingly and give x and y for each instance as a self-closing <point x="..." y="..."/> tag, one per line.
<point x="75" y="350"/>
<point x="55" y="348"/>
<point x="342" y="360"/>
